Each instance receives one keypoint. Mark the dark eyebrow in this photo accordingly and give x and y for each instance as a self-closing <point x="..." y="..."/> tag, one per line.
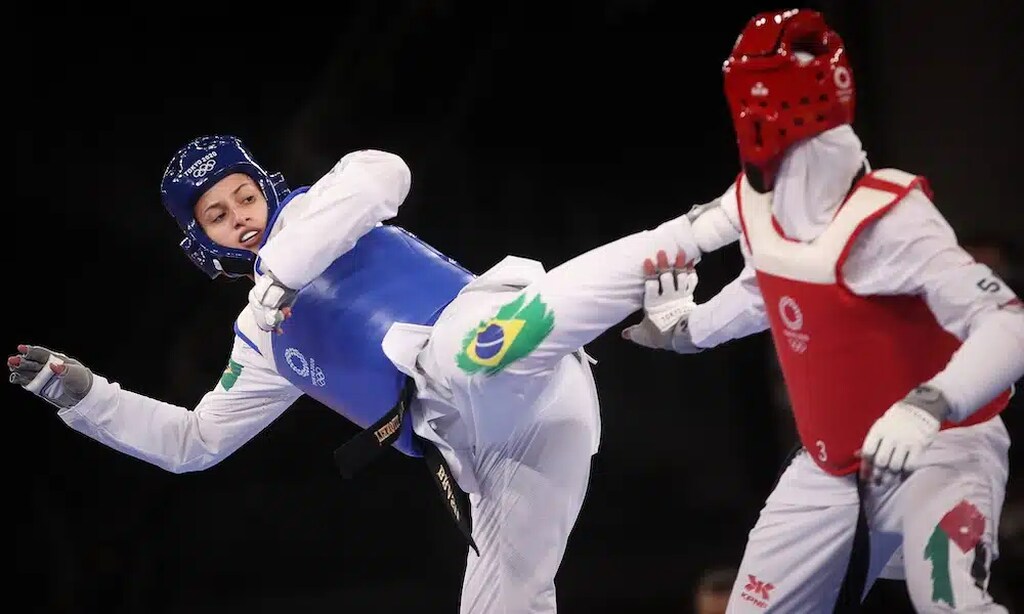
<point x="217" y="202"/>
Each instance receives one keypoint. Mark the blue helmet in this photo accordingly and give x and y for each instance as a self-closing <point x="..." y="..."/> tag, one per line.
<point x="195" y="168"/>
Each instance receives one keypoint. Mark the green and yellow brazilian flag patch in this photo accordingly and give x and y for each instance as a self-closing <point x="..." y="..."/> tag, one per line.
<point x="230" y="375"/>
<point x="514" y="332"/>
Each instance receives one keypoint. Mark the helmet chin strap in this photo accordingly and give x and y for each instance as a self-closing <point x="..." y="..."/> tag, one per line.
<point x="213" y="264"/>
<point x="235" y="267"/>
<point x="762" y="179"/>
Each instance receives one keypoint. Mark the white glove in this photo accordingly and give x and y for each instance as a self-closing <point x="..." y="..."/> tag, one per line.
<point x="270" y="302"/>
<point x="56" y="378"/>
<point x="895" y="441"/>
<point x="668" y="301"/>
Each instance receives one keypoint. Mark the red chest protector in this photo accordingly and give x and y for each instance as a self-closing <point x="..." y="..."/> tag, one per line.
<point x="845" y="358"/>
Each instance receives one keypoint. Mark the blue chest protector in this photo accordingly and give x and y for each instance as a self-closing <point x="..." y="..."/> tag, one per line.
<point x="331" y="348"/>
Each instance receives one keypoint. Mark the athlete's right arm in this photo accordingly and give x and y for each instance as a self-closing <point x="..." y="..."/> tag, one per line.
<point x="248" y="397"/>
<point x="716" y="223"/>
<point x="736" y="311"/>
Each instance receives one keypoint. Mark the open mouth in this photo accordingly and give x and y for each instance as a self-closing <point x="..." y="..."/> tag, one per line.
<point x="250" y="237"/>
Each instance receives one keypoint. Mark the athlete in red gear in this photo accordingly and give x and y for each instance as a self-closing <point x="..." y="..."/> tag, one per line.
<point x="898" y="349"/>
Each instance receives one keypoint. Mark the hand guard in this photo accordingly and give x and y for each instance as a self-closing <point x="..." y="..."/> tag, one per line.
<point x="58" y="379"/>
<point x="895" y="441"/>
<point x="270" y="302"/>
<point x="668" y="301"/>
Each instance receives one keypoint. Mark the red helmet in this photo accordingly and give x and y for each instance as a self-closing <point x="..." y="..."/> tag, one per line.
<point x="776" y="98"/>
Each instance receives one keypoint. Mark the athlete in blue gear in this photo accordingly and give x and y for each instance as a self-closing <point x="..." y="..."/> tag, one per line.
<point x="484" y="376"/>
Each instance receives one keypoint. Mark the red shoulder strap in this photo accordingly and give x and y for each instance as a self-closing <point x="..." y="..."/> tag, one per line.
<point x="899" y="192"/>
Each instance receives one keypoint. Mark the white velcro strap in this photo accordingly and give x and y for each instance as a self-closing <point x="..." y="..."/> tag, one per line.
<point x="665" y="319"/>
<point x="44" y="376"/>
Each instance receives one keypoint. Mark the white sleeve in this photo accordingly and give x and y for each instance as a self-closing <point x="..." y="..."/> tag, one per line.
<point x="248" y="397"/>
<point x="736" y="311"/>
<point x="912" y="250"/>
<point x="718" y="226"/>
<point x="363" y="189"/>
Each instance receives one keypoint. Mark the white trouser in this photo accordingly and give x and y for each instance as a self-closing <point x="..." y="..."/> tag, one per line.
<point x="528" y="430"/>
<point x="945" y="515"/>
<point x="532" y="488"/>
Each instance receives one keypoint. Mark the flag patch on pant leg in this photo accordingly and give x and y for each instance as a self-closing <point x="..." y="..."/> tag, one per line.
<point x="962" y="526"/>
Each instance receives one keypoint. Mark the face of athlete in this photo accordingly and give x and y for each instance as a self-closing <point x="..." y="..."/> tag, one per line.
<point x="233" y="213"/>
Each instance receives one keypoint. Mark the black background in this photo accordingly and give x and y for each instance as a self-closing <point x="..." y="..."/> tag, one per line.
<point x="539" y="129"/>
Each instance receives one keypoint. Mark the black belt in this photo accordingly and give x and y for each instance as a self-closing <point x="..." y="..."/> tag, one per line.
<point x="856" y="577"/>
<point x="368" y="444"/>
<point x="852" y="589"/>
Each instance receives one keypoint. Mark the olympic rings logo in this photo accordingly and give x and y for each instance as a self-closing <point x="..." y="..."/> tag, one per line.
<point x="841" y="77"/>
<point x="305" y="368"/>
<point x="202" y="168"/>
<point x="790" y="313"/>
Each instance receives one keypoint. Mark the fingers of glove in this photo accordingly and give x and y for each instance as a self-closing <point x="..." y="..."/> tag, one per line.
<point x="662" y="261"/>
<point x="652" y="291"/>
<point x="667" y="274"/>
<point x="649" y="269"/>
<point x="900" y="456"/>
<point x="35" y="353"/>
<point x="24" y="366"/>
<point x="652" y="283"/>
<point x="883" y="461"/>
<point x="667" y="280"/>
<point x="682" y="261"/>
<point x="684" y="276"/>
<point x="282" y="314"/>
<point x="20" y="379"/>
<point x="867" y="455"/>
<point x="278" y="319"/>
<point x="686" y="280"/>
<point x="29" y="360"/>
<point x="657" y="266"/>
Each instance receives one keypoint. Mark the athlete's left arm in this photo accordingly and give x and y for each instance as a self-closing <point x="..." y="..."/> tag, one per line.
<point x="913" y="250"/>
<point x="363" y="189"/>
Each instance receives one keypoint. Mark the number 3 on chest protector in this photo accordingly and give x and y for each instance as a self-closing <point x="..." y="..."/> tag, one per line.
<point x="822" y="454"/>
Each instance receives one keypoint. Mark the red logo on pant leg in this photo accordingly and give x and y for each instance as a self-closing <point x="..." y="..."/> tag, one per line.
<point x="757" y="591"/>
<point x="964" y="525"/>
